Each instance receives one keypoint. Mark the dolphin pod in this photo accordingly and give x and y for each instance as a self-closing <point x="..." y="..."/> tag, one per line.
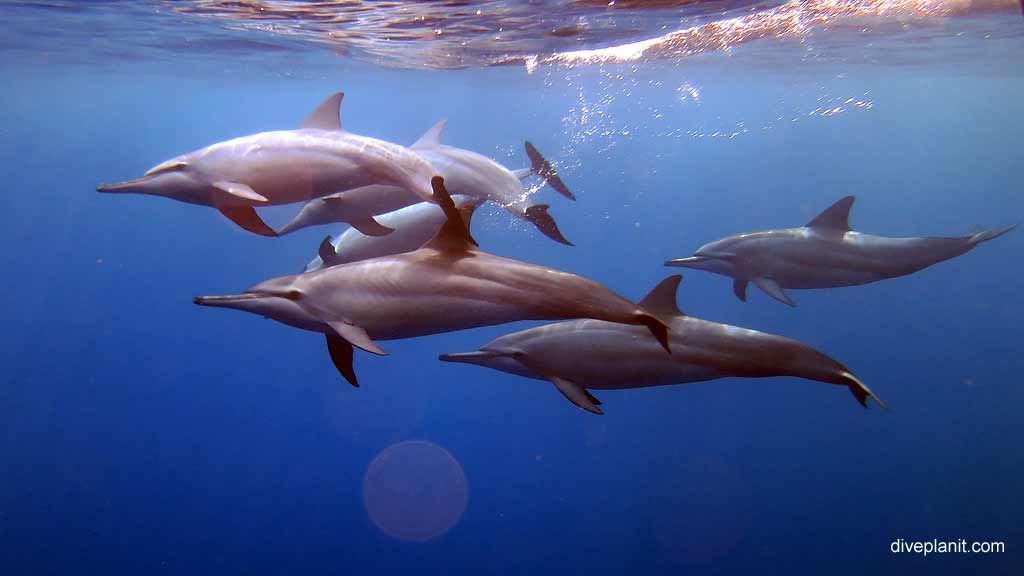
<point x="825" y="253"/>
<point x="465" y="173"/>
<point x="407" y="268"/>
<point x="444" y="286"/>
<point x="587" y="355"/>
<point x="283" y="167"/>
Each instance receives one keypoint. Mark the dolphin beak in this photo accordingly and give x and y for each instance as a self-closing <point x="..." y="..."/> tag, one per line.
<point x="237" y="301"/>
<point x="468" y="357"/>
<point x="126" y="186"/>
<point x="690" y="262"/>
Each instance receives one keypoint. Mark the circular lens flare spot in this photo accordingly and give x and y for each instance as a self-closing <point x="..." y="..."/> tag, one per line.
<point x="415" y="491"/>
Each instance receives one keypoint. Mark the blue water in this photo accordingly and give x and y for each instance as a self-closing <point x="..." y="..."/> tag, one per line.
<point x="145" y="435"/>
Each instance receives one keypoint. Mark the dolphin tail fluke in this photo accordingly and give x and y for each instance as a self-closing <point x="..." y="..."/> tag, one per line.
<point x="657" y="328"/>
<point x="247" y="218"/>
<point x="541" y="167"/>
<point x="862" y="392"/>
<point x="538" y="215"/>
<point x="987" y="235"/>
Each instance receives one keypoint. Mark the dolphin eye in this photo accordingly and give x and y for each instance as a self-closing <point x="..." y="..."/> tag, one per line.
<point x="293" y="295"/>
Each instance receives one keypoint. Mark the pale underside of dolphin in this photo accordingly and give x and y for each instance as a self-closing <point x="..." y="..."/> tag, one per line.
<point x="283" y="167"/>
<point x="584" y="355"/>
<point x="445" y="286"/>
<point x="825" y="253"/>
<point x="413" y="226"/>
<point x="464" y="172"/>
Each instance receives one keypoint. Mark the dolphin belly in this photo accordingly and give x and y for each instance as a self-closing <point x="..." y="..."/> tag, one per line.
<point x="603" y="355"/>
<point x="863" y="258"/>
<point x="792" y="275"/>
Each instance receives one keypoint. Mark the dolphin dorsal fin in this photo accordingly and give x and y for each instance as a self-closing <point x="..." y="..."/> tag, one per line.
<point x="835" y="217"/>
<point x="327" y="252"/>
<point x="327" y="115"/>
<point x="662" y="299"/>
<point x="431" y="138"/>
<point x="453" y="237"/>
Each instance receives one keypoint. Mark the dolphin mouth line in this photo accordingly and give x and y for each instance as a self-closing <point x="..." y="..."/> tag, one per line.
<point x="127" y="185"/>
<point x="686" y="261"/>
<point x="229" y="298"/>
<point x="467" y="356"/>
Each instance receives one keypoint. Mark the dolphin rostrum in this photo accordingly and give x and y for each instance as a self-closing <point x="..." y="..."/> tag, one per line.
<point x="444" y="286"/>
<point x="282" y="167"/>
<point x="825" y="253"/>
<point x="597" y="355"/>
<point x="413" y="226"/>
<point x="464" y="172"/>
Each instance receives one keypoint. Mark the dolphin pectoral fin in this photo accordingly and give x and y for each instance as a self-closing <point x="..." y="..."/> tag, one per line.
<point x="523" y="173"/>
<point x="987" y="235"/>
<point x="341" y="354"/>
<point x="862" y="392"/>
<point x="327" y="115"/>
<point x="576" y="394"/>
<point x="661" y="300"/>
<point x="772" y="288"/>
<point x="239" y="191"/>
<point x="432" y="137"/>
<point x="572" y="391"/>
<point x="538" y="215"/>
<point x="453" y="237"/>
<point x="367" y="226"/>
<point x="739" y="288"/>
<point x="328" y="255"/>
<point x="355" y="336"/>
<point x="247" y="218"/>
<point x="541" y="167"/>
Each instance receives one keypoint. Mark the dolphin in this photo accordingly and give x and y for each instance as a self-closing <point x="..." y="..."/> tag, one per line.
<point x="444" y="286"/>
<point x="413" y="226"/>
<point x="465" y="173"/>
<point x="593" y="354"/>
<point x="825" y="253"/>
<point x="282" y="167"/>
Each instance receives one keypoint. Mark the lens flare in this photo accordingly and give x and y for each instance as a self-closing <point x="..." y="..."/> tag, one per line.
<point x="415" y="491"/>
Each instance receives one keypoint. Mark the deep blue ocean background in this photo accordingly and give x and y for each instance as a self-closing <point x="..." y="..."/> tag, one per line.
<point x="144" y="435"/>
